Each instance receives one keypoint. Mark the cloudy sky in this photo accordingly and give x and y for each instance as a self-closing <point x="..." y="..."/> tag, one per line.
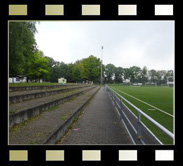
<point x="126" y="43"/>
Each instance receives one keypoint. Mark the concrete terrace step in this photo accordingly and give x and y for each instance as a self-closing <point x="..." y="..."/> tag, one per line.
<point x="14" y="93"/>
<point x="22" y="111"/>
<point x="49" y="126"/>
<point x="23" y="88"/>
<point x="17" y="107"/>
<point x="20" y="96"/>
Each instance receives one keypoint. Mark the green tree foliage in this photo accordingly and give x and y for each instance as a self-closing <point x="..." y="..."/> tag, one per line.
<point x="38" y="66"/>
<point x="152" y="75"/>
<point x="144" y="74"/>
<point x="63" y="69"/>
<point x="92" y="68"/>
<point x="21" y="46"/>
<point x="84" y="69"/>
<point x="55" y="72"/>
<point x="119" y="73"/>
<point x="169" y="75"/>
<point x="58" y="70"/>
<point x="51" y="63"/>
<point x="78" y="71"/>
<point x="69" y="77"/>
<point x="110" y="73"/>
<point x="134" y="73"/>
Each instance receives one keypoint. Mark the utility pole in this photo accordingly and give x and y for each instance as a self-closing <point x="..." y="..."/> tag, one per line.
<point x="101" y="66"/>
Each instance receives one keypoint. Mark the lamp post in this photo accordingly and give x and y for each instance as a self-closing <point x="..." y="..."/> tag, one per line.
<point x="101" y="66"/>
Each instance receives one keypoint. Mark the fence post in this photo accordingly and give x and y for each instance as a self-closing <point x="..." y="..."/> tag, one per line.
<point x="139" y="126"/>
<point x="121" y="100"/>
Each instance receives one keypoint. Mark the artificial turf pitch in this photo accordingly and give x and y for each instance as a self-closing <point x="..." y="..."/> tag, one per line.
<point x="155" y="101"/>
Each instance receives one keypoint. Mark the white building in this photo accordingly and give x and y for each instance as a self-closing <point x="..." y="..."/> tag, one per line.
<point x="170" y="83"/>
<point x="126" y="81"/>
<point x="21" y="79"/>
<point x="18" y="79"/>
<point x="62" y="80"/>
<point x="137" y="84"/>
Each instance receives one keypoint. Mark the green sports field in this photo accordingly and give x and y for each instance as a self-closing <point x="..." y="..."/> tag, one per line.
<point x="155" y="101"/>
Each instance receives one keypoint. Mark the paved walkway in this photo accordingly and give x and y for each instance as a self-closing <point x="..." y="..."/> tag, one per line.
<point x="99" y="124"/>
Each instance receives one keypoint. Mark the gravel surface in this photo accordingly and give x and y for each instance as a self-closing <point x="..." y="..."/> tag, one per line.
<point x="37" y="129"/>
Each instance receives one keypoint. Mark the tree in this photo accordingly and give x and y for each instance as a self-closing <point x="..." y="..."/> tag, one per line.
<point x="78" y="71"/>
<point x="92" y="68"/>
<point x="43" y="69"/>
<point x="144" y="74"/>
<point x="55" y="72"/>
<point x="69" y="77"/>
<point x="119" y="73"/>
<point x="161" y="76"/>
<point x="134" y="73"/>
<point x="21" y="46"/>
<point x="110" y="72"/>
<point x="126" y="73"/>
<point x="170" y="76"/>
<point x="51" y="61"/>
<point x="63" y="70"/>
<point x="39" y="66"/>
<point x="152" y="74"/>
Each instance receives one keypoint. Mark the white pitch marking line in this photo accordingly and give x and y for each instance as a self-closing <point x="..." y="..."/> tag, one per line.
<point x="151" y="109"/>
<point x="144" y="102"/>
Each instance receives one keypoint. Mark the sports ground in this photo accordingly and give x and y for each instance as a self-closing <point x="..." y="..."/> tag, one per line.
<point x="155" y="101"/>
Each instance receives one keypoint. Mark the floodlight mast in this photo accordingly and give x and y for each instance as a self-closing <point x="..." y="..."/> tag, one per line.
<point x="101" y="66"/>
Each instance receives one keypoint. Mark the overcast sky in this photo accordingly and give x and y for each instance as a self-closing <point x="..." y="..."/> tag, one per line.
<point x="126" y="43"/>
